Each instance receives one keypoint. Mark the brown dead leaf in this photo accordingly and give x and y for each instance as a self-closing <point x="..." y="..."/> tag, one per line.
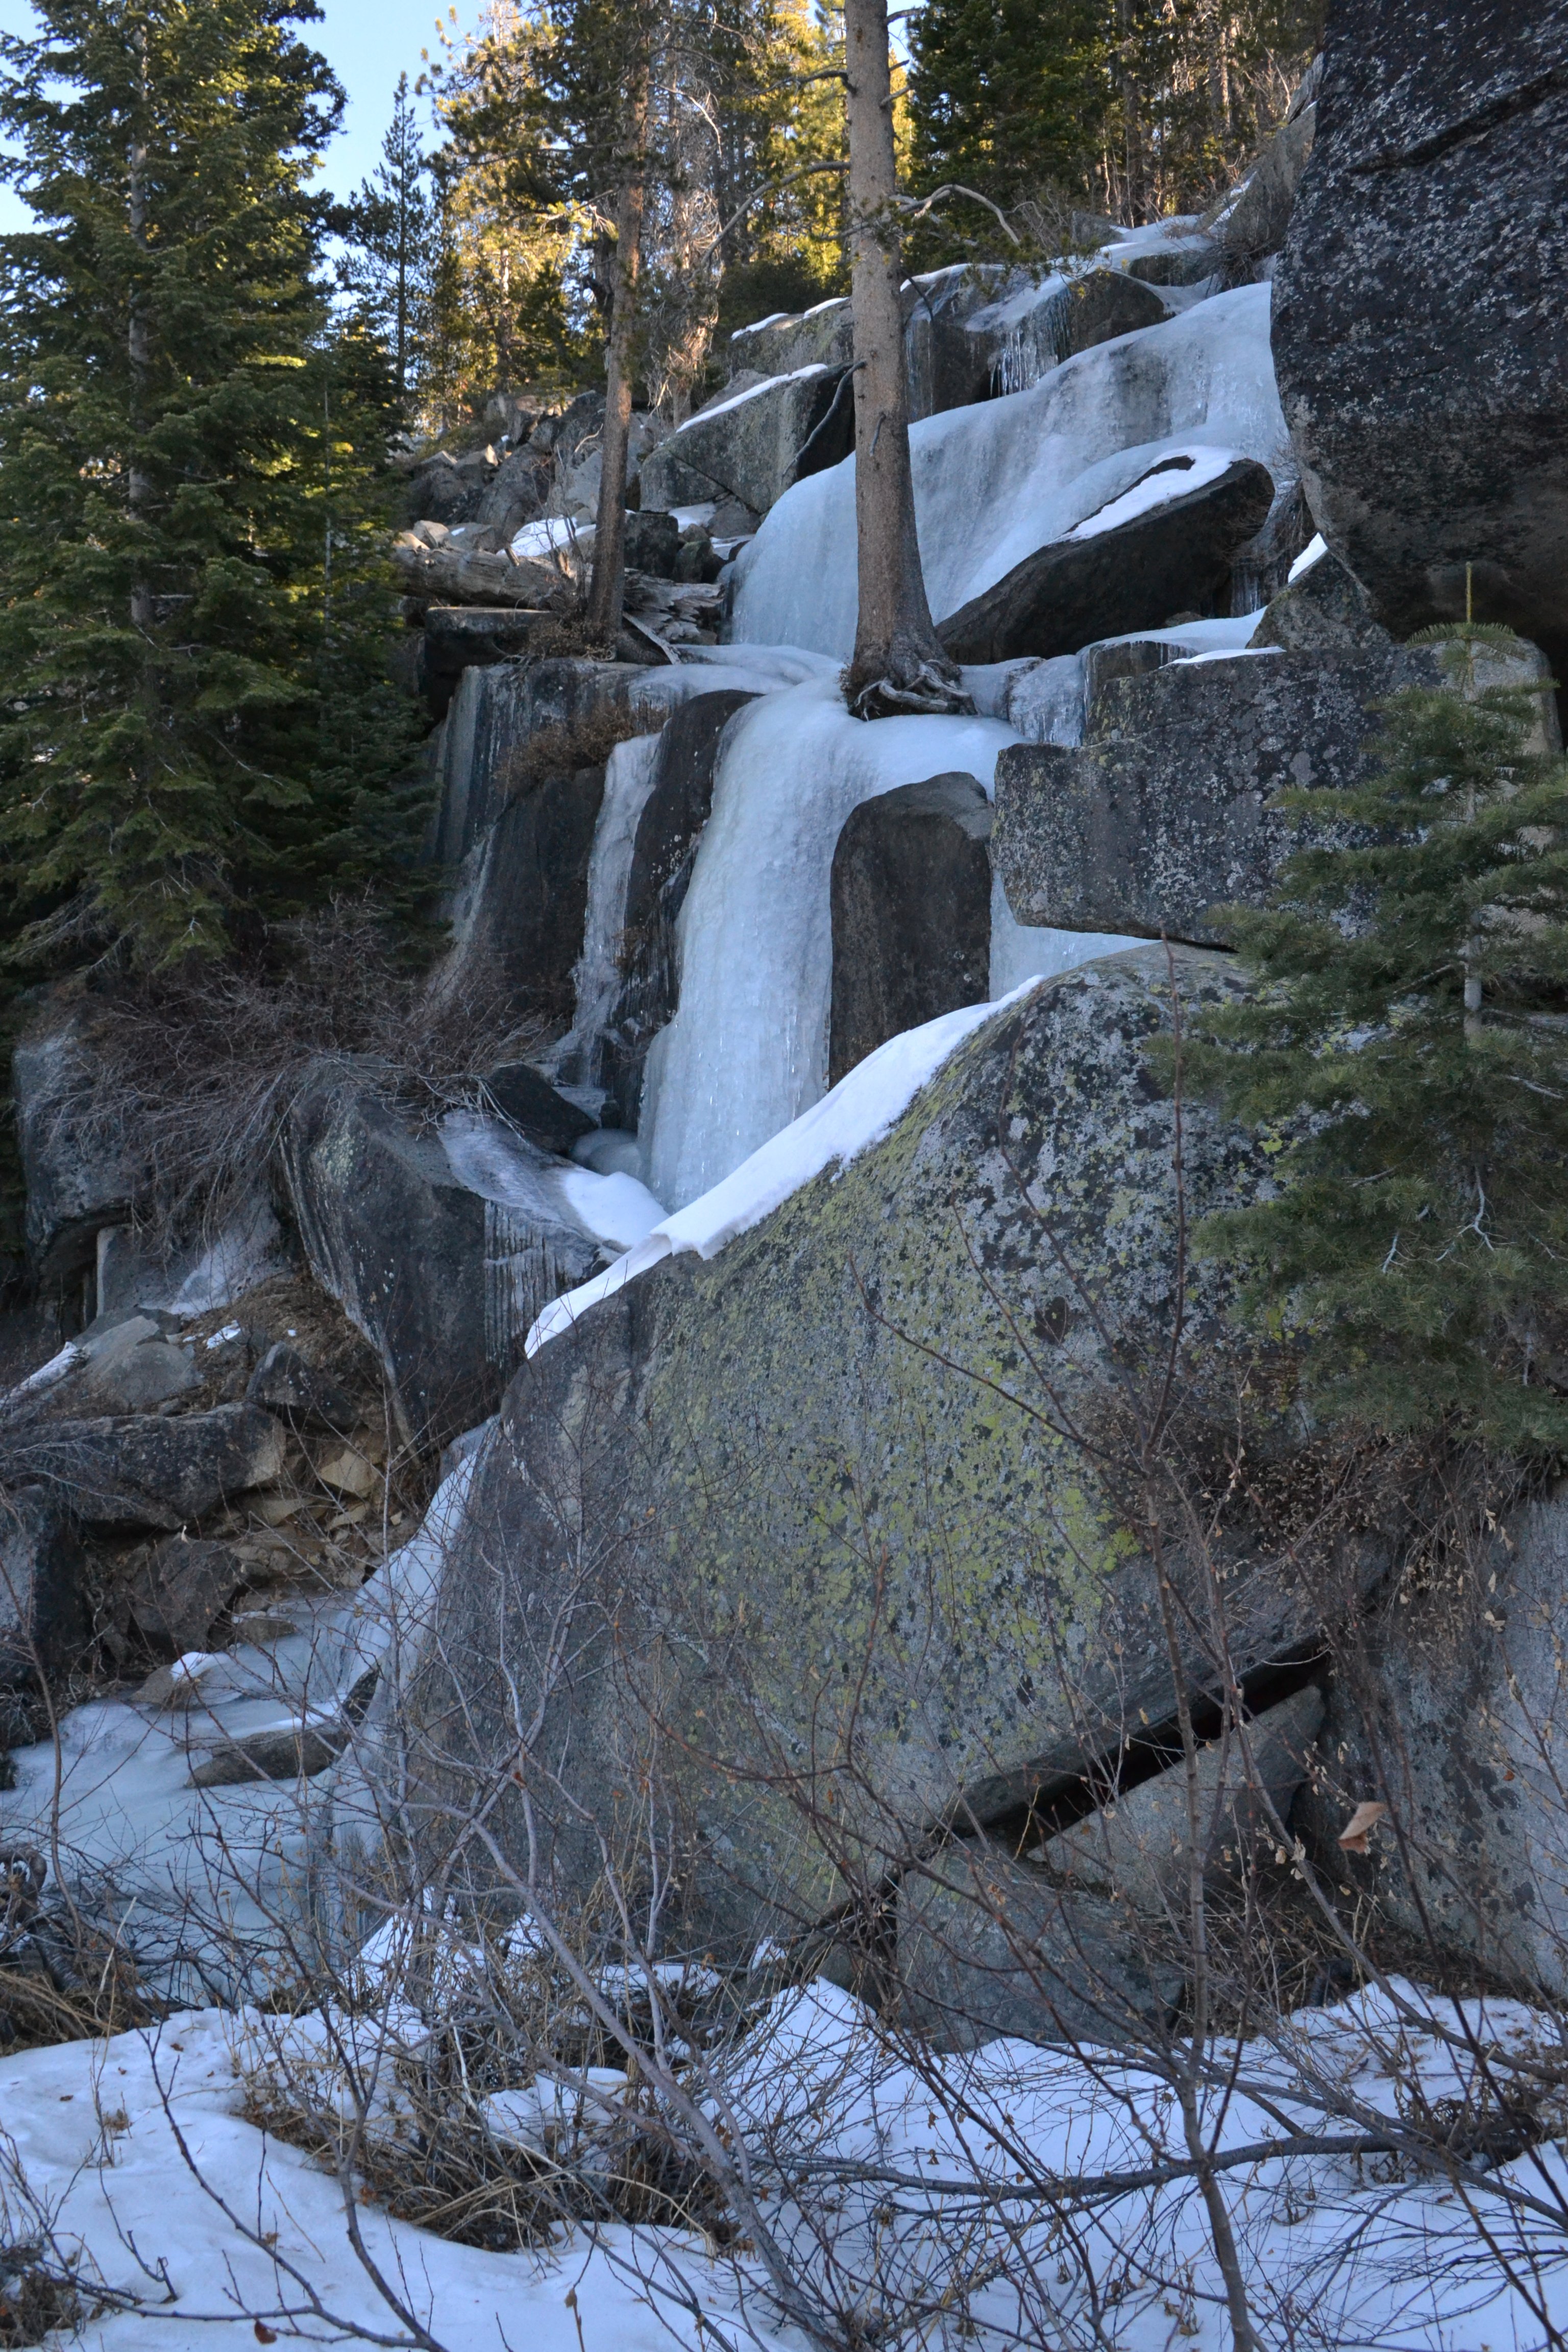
<point x="1366" y="1816"/>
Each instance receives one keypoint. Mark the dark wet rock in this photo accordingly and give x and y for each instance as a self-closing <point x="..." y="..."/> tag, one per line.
<point x="990" y="1946"/>
<point x="1419" y="338"/>
<point x="148" y="1471"/>
<point x="531" y="1104"/>
<point x="517" y="492"/>
<point x="298" y="1393"/>
<point x="1176" y="557"/>
<point x="465" y="637"/>
<point x="43" y="1590"/>
<point x="1165" y="812"/>
<point x="664" y="854"/>
<point x="449" y="490"/>
<point x="521" y="904"/>
<point x="176" y="1595"/>
<point x="776" y="1387"/>
<point x="911" y="914"/>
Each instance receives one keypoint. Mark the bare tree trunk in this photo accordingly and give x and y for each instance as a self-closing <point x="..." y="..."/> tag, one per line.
<point x="900" y="663"/>
<point x="607" y="593"/>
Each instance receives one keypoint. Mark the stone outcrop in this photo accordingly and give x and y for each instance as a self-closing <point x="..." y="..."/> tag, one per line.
<point x="1176" y="557"/>
<point x="1252" y="221"/>
<point x="1433" y="433"/>
<point x="789" y="1517"/>
<point x="528" y="1103"/>
<point x="82" y="1172"/>
<point x="147" y="1471"/>
<point x="1165" y="813"/>
<point x="441" y="1280"/>
<point x="663" y="855"/>
<point x="1451" y="1712"/>
<point x="754" y="440"/>
<point x="463" y="636"/>
<point x="911" y="914"/>
<point x="176" y="1595"/>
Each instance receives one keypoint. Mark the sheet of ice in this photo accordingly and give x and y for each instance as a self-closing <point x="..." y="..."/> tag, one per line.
<point x="487" y="1158"/>
<point x="1316" y="547"/>
<point x="996" y="481"/>
<point x="747" y="1050"/>
<point x="860" y="1109"/>
<point x="596" y="978"/>
<point x="129" y="1818"/>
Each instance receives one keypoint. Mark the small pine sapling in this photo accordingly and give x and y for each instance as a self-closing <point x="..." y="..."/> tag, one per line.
<point x="1407" y="1045"/>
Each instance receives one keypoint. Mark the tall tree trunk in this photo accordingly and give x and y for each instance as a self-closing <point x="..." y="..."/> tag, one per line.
<point x="608" y="592"/>
<point x="900" y="662"/>
<point x="139" y="344"/>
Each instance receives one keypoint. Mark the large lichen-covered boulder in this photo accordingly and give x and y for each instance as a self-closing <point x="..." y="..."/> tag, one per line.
<point x="787" y="1549"/>
<point x="1421" y="348"/>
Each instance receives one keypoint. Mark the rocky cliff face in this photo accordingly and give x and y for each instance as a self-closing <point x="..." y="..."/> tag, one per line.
<point x="1421" y="349"/>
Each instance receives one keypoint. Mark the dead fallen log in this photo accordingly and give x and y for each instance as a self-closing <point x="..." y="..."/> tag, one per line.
<point x="440" y="575"/>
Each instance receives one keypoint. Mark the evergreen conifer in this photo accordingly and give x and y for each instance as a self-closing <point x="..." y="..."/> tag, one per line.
<point x="190" y="581"/>
<point x="1406" y="1049"/>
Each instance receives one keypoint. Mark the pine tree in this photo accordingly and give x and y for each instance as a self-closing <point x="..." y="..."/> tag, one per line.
<point x="1406" y="1049"/>
<point x="390" y="233"/>
<point x="187" y="456"/>
<point x="1008" y="97"/>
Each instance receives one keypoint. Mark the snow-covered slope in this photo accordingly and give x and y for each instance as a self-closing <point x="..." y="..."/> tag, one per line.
<point x="995" y="481"/>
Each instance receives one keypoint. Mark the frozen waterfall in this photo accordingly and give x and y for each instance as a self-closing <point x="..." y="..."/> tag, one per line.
<point x="746" y="1052"/>
<point x="995" y="481"/>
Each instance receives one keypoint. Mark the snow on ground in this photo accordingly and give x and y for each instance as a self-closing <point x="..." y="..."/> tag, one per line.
<point x="131" y="2156"/>
<point x="203" y="1876"/>
<point x="996" y="481"/>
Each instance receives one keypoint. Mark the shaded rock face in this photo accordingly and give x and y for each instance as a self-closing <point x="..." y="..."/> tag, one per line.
<point x="1325" y="614"/>
<point x="400" y="1244"/>
<point x="749" y="1511"/>
<point x="988" y="1945"/>
<point x="43" y="1595"/>
<point x="81" y="1176"/>
<point x="1086" y="1937"/>
<point x="442" y="1281"/>
<point x="1163" y="812"/>
<point x="494" y="711"/>
<point x="669" y="830"/>
<point x="463" y="636"/>
<point x="305" y="1398"/>
<point x="751" y="445"/>
<point x="1433" y="433"/>
<point x="911" y="914"/>
<point x="1253" y="222"/>
<point x="1175" y="558"/>
<point x="519" y="911"/>
<point x="149" y="1472"/>
<point x="1454" y="1714"/>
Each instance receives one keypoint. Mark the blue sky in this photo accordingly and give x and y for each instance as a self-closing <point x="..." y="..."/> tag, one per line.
<point x="369" y="42"/>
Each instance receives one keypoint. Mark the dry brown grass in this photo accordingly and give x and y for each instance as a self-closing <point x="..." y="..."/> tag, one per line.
<point x="561" y="750"/>
<point x="204" y="1065"/>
